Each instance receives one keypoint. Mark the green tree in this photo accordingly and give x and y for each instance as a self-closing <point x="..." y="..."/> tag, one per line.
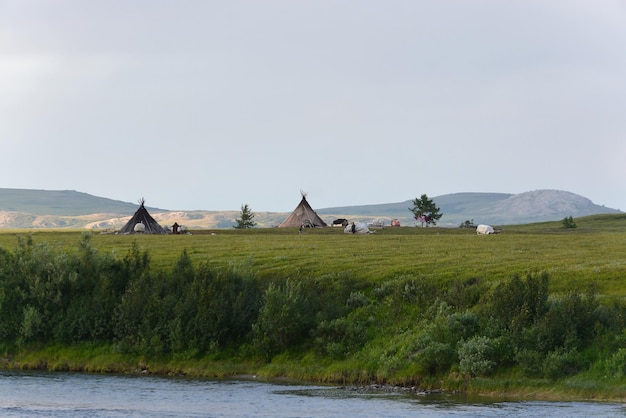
<point x="568" y="223"/>
<point x="246" y="218"/>
<point x="425" y="211"/>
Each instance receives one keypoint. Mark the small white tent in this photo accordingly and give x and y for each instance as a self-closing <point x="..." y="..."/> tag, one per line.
<point x="356" y="228"/>
<point x="485" y="230"/>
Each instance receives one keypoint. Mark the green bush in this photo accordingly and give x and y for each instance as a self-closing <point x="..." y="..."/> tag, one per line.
<point x="530" y="362"/>
<point x="281" y="321"/>
<point x="561" y="363"/>
<point x="435" y="347"/>
<point x="32" y="325"/>
<point x="225" y="305"/>
<point x="431" y="355"/>
<point x="569" y="323"/>
<point x="615" y="366"/>
<point x="340" y="337"/>
<point x="476" y="356"/>
<point x="519" y="302"/>
<point x="463" y="294"/>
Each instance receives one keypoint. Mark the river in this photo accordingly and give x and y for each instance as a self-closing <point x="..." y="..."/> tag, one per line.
<point x="63" y="395"/>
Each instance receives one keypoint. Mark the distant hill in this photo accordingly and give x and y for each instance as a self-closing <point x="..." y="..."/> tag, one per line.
<point x="453" y="206"/>
<point x="61" y="202"/>
<point x="26" y="208"/>
<point x="23" y="208"/>
<point x="490" y="208"/>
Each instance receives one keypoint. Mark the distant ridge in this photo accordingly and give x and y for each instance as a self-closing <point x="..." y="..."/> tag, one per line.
<point x="451" y="205"/>
<point x="24" y="208"/>
<point x="544" y="204"/>
<point x="61" y="203"/>
<point x="491" y="208"/>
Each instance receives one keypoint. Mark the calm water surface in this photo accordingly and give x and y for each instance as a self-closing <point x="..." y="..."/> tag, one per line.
<point x="29" y="394"/>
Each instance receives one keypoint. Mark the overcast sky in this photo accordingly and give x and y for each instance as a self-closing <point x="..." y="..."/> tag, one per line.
<point x="210" y="105"/>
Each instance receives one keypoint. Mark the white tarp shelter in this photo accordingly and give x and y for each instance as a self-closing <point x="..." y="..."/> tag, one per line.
<point x="356" y="228"/>
<point x="485" y="230"/>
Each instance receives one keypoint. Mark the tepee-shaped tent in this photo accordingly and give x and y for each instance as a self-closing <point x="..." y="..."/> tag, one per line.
<point x="142" y="222"/>
<point x="303" y="215"/>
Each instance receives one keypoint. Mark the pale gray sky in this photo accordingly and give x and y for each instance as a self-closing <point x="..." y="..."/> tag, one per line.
<point x="208" y="105"/>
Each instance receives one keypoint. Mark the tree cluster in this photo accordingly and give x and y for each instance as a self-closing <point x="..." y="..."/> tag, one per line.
<point x="568" y="223"/>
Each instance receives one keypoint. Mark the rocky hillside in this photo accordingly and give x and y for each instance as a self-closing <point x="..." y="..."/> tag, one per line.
<point x="528" y="207"/>
<point x="542" y="205"/>
<point x="20" y="208"/>
<point x="490" y="208"/>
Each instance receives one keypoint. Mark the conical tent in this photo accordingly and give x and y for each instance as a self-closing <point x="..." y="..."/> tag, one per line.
<point x="303" y="215"/>
<point x="142" y="222"/>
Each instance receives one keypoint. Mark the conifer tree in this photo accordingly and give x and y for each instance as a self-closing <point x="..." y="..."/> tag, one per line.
<point x="246" y="217"/>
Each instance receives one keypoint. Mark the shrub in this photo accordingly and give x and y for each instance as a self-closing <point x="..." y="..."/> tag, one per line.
<point x="281" y="319"/>
<point x="517" y="303"/>
<point x="463" y="294"/>
<point x="561" y="363"/>
<point x="32" y="324"/>
<point x="357" y="300"/>
<point x="340" y="337"/>
<point x="476" y="356"/>
<point x="615" y="366"/>
<point x="569" y="323"/>
<point x="435" y="348"/>
<point x="431" y="355"/>
<point x="530" y="362"/>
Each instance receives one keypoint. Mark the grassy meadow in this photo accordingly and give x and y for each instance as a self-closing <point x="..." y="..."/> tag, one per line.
<point x="593" y="253"/>
<point x="378" y="334"/>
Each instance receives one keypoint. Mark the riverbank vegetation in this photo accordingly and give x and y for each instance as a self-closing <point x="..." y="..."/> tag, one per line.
<point x="537" y="310"/>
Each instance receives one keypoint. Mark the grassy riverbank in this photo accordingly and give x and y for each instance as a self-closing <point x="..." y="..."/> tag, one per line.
<point x="104" y="359"/>
<point x="535" y="312"/>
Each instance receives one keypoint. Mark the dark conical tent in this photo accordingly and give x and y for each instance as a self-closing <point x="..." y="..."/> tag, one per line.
<point x="142" y="222"/>
<point x="303" y="215"/>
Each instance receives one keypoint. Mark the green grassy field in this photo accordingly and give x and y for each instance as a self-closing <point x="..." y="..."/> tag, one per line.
<point x="594" y="252"/>
<point x="382" y="332"/>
